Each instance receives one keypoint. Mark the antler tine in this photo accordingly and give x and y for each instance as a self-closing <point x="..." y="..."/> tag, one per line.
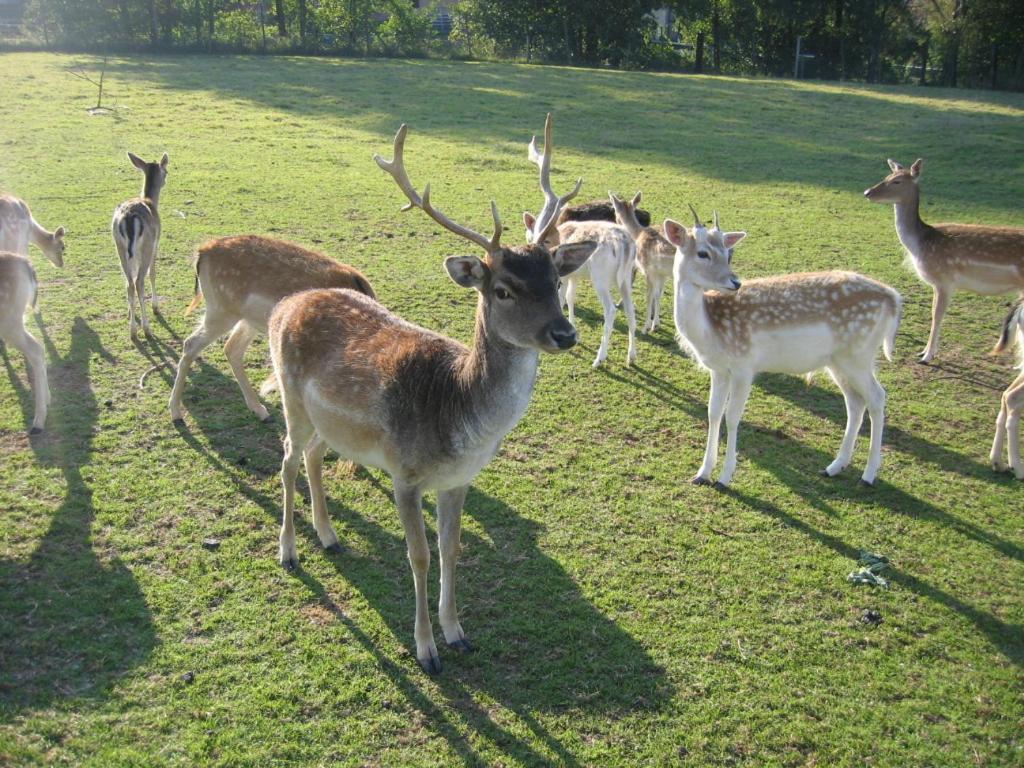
<point x="696" y="218"/>
<point x="396" y="168"/>
<point x="716" y="221"/>
<point x="553" y="204"/>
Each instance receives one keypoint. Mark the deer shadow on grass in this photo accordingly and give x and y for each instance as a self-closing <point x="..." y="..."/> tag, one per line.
<point x="541" y="645"/>
<point x="72" y="620"/>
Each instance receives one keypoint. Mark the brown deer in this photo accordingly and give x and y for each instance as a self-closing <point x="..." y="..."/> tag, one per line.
<point x="950" y="257"/>
<point x="18" y="287"/>
<point x="787" y="324"/>
<point x="426" y="409"/>
<point x="1012" y="401"/>
<point x="18" y="228"/>
<point x="242" y="278"/>
<point x="654" y="255"/>
<point x="136" y="231"/>
<point x="598" y="210"/>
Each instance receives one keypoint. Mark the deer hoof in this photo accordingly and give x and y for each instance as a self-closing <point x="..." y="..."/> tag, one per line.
<point x="461" y="646"/>
<point x="719" y="486"/>
<point x="290" y="564"/>
<point x="36" y="431"/>
<point x="698" y="480"/>
<point x="178" y="422"/>
<point x="867" y="483"/>
<point x="334" y="549"/>
<point x="432" y="665"/>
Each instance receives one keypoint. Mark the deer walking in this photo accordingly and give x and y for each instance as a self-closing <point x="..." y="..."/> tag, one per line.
<point x="796" y="323"/>
<point x="950" y="257"/>
<point x="18" y="228"/>
<point x="242" y="278"/>
<point x="1012" y="402"/>
<point x="18" y="288"/>
<point x="426" y="409"/>
<point x="136" y="231"/>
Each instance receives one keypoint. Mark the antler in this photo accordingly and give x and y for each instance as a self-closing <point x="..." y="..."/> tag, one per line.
<point x="696" y="218"/>
<point x="716" y="222"/>
<point x="553" y="204"/>
<point x="396" y="168"/>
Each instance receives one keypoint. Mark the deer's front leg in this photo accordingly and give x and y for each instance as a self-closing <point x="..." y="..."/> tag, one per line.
<point x="409" y="501"/>
<point x="716" y="407"/>
<point x="449" y="526"/>
<point x="940" y="301"/>
<point x="739" y="391"/>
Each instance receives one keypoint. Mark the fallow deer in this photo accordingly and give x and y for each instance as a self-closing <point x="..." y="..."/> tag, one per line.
<point x="18" y="287"/>
<point x="18" y="228"/>
<point x="1012" y="401"/>
<point x="796" y="323"/>
<point x="950" y="257"/>
<point x="611" y="264"/>
<point x="242" y="278"/>
<point x="136" y="231"/>
<point x="424" y="408"/>
<point x="598" y="210"/>
<point x="654" y="255"/>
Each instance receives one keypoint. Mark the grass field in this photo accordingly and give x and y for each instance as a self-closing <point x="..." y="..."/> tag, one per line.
<point x="621" y="615"/>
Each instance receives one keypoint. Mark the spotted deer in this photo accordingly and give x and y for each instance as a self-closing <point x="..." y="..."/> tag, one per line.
<point x="426" y="409"/>
<point x="18" y="288"/>
<point x="1012" y="401"/>
<point x="241" y="279"/>
<point x="136" y="231"/>
<point x="795" y="323"/>
<point x="654" y="255"/>
<point x="18" y="229"/>
<point x="949" y="257"/>
<point x="610" y="266"/>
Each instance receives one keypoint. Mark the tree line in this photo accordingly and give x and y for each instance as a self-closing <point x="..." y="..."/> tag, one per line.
<point x="972" y="43"/>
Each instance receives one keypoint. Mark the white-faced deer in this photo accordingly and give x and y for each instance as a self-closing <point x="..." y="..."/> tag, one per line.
<point x="242" y="279"/>
<point x="136" y="231"/>
<point x="654" y="255"/>
<point x="18" y="288"/>
<point x="426" y="409"/>
<point x="610" y="266"/>
<point x="788" y="324"/>
<point x="950" y="257"/>
<point x="18" y="228"/>
<point x="1012" y="401"/>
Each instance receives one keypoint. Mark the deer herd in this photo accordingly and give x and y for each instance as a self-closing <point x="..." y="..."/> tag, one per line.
<point x="432" y="412"/>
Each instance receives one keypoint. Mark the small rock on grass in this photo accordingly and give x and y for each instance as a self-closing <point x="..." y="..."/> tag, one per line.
<point x="211" y="544"/>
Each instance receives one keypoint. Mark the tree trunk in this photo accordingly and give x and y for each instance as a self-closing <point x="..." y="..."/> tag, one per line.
<point x="282" y="30"/>
<point x="302" y="21"/>
<point x="154" y="29"/>
<point x="698" y="63"/>
<point x="716" y="36"/>
<point x="924" y="63"/>
<point x="211" y="18"/>
<point x="995" y="64"/>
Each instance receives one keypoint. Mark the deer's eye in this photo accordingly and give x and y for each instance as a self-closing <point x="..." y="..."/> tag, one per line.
<point x="502" y="294"/>
<point x="703" y="255"/>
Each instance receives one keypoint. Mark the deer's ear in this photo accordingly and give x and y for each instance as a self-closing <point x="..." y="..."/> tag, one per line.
<point x="571" y="256"/>
<point x="467" y="271"/>
<point x="59" y="233"/>
<point x="529" y="220"/>
<point x="915" y="169"/>
<point x="636" y="198"/>
<point x="164" y="160"/>
<point x="137" y="161"/>
<point x="732" y="239"/>
<point x="675" y="233"/>
<point x="893" y="165"/>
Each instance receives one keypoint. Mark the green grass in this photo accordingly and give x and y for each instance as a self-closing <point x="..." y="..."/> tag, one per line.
<point x="621" y="615"/>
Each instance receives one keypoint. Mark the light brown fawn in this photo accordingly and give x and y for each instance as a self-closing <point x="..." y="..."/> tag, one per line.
<point x="18" y="228"/>
<point x="18" y="286"/>
<point x="654" y="255"/>
<point x="425" y="408"/>
<point x="242" y="278"/>
<point x="796" y="323"/>
<point x="136" y="232"/>
<point x="950" y="257"/>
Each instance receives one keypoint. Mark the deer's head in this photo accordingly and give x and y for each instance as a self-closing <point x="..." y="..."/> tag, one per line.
<point x="900" y="186"/>
<point x="703" y="256"/>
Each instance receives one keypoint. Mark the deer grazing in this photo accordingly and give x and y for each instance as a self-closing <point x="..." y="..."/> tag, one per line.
<point x="424" y="408"/>
<point x="18" y="287"/>
<point x="796" y="323"/>
<point x="950" y="257"/>
<point x="241" y="279"/>
<point x="18" y="228"/>
<point x="654" y="255"/>
<point x="611" y="264"/>
<point x="136" y="231"/>
<point x="1012" y="401"/>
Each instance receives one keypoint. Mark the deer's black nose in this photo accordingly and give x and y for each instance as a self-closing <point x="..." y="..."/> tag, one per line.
<point x="564" y="336"/>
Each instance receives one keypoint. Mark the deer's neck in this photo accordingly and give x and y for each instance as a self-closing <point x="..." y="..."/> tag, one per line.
<point x="909" y="227"/>
<point x="150" y="189"/>
<point x="691" y="318"/>
<point x="495" y="380"/>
